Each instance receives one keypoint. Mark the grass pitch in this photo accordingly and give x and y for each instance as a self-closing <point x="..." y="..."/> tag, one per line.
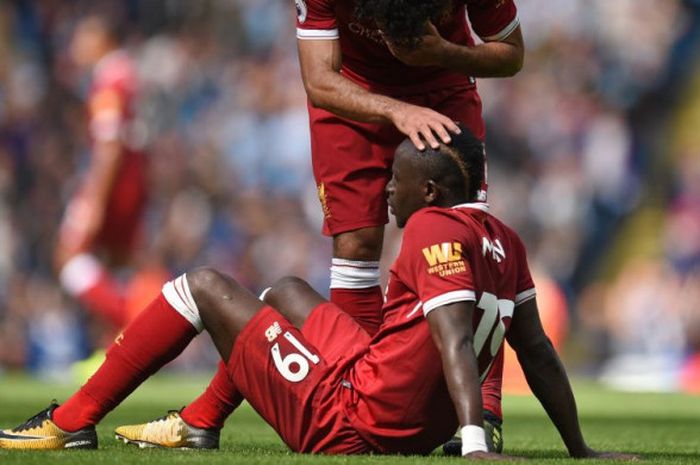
<point x="664" y="428"/>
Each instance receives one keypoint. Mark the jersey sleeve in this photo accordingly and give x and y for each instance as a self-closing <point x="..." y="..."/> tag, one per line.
<point x="316" y="20"/>
<point x="435" y="260"/>
<point x="107" y="110"/>
<point x="525" y="288"/>
<point x="493" y="20"/>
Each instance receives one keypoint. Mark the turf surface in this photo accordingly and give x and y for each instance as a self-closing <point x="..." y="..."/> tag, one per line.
<point x="664" y="428"/>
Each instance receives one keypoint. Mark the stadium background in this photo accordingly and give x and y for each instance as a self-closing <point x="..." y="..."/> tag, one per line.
<point x="594" y="155"/>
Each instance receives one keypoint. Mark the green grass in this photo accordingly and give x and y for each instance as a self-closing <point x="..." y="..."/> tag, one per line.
<point x="664" y="428"/>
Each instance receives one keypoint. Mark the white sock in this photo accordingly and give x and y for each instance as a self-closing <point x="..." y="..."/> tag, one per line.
<point x="354" y="274"/>
<point x="177" y="293"/>
<point x="80" y="273"/>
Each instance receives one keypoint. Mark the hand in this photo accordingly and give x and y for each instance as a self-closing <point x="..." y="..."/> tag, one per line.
<point x="594" y="454"/>
<point x="479" y="455"/>
<point x="427" y="53"/>
<point x="422" y="124"/>
<point x="588" y="453"/>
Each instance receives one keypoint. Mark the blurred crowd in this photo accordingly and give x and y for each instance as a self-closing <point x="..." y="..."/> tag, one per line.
<point x="222" y="112"/>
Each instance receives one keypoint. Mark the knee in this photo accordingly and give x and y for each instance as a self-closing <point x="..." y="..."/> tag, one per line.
<point x="361" y="244"/>
<point x="203" y="281"/>
<point x="284" y="288"/>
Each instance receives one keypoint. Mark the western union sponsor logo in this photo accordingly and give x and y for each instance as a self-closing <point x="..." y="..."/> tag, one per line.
<point x="445" y="259"/>
<point x="447" y="252"/>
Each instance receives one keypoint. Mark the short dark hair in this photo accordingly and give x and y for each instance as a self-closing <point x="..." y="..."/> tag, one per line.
<point x="460" y="165"/>
<point x="402" y="21"/>
<point x="111" y="17"/>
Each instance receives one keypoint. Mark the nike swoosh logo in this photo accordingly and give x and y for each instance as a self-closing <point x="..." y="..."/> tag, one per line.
<point x="4" y="435"/>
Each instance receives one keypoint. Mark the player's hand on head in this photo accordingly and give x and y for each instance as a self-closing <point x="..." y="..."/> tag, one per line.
<point x="480" y="455"/>
<point x="424" y="126"/>
<point x="426" y="53"/>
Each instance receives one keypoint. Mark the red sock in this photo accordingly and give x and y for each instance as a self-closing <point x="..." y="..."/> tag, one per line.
<point x="105" y="299"/>
<point x="492" y="386"/>
<point x="364" y="305"/>
<point x="213" y="407"/>
<point x="154" y="338"/>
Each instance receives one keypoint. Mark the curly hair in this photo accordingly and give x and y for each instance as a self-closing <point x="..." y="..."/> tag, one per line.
<point x="402" y="21"/>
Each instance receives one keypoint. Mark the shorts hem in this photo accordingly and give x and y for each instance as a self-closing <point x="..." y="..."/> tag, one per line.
<point x="347" y="227"/>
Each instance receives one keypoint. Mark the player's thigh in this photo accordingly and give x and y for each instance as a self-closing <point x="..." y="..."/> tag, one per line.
<point x="352" y="165"/>
<point x="294" y="298"/>
<point x="278" y="370"/>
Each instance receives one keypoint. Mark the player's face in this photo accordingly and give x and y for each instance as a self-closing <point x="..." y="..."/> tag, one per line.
<point x="406" y="189"/>
<point x="86" y="45"/>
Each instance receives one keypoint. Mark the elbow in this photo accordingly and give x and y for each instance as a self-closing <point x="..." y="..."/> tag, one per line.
<point x="316" y="100"/>
<point x="514" y="66"/>
<point x="316" y="93"/>
<point x="458" y="345"/>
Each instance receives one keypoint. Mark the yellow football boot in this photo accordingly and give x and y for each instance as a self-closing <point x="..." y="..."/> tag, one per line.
<point x="168" y="431"/>
<point x="40" y="432"/>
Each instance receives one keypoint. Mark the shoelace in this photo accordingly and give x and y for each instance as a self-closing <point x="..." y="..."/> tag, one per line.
<point x="167" y="415"/>
<point x="37" y="420"/>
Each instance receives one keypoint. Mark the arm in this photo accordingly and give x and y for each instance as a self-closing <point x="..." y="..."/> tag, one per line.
<point x="490" y="59"/>
<point x="545" y="375"/>
<point x="502" y="58"/>
<point x="104" y="166"/>
<point x="547" y="378"/>
<point x="326" y="88"/>
<point x="451" y="328"/>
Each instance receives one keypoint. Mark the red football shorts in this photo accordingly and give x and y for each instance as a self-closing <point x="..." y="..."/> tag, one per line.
<point x="352" y="160"/>
<point x="294" y="378"/>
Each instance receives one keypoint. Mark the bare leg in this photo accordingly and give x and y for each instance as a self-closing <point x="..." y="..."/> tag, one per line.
<point x="294" y="298"/>
<point x="224" y="306"/>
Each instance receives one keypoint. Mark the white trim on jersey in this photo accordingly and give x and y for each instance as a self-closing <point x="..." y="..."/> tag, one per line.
<point x="317" y="34"/>
<point x="447" y="298"/>
<point x="415" y="309"/>
<point x="504" y="33"/>
<point x="483" y="206"/>
<point x="524" y="296"/>
<point x="177" y="293"/>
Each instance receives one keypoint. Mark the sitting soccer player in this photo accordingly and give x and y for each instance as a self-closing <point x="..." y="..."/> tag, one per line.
<point x="459" y="286"/>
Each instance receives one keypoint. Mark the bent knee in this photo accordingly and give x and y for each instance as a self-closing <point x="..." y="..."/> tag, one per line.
<point x="284" y="288"/>
<point x="203" y="280"/>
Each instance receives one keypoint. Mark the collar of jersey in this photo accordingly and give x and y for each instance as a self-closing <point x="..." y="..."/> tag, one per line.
<point x="483" y="206"/>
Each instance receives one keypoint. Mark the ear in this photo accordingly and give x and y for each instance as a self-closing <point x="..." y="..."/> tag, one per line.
<point x="431" y="192"/>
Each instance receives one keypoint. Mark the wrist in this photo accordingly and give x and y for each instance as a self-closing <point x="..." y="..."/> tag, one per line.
<point x="580" y="451"/>
<point x="392" y="110"/>
<point x="473" y="439"/>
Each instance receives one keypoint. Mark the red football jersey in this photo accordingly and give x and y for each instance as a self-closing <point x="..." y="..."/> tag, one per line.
<point x="368" y="61"/>
<point x="401" y="401"/>
<point x="112" y="96"/>
<point x="111" y="113"/>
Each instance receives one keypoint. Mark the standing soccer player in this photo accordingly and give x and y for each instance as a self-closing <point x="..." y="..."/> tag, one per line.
<point x="459" y="286"/>
<point x="376" y="71"/>
<point x="102" y="220"/>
